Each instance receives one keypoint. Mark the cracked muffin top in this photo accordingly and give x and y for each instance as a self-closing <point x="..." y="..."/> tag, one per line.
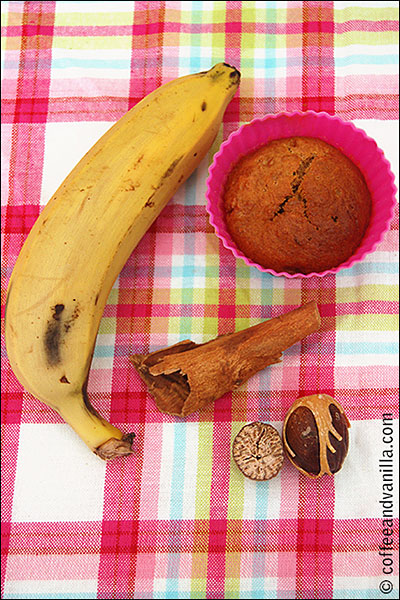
<point x="297" y="205"/>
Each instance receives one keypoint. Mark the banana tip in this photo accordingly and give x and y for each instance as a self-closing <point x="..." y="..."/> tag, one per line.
<point x="113" y="448"/>
<point x="221" y="70"/>
<point x="235" y="72"/>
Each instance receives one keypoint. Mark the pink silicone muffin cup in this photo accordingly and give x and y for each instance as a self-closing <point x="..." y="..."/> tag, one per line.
<point x="353" y="142"/>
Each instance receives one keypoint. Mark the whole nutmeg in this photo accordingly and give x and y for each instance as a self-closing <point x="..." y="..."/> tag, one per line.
<point x="315" y="435"/>
<point x="258" y="452"/>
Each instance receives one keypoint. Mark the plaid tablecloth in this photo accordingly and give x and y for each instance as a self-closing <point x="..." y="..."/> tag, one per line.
<point x="177" y="519"/>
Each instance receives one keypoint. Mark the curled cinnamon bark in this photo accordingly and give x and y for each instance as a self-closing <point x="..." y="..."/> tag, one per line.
<point x="183" y="378"/>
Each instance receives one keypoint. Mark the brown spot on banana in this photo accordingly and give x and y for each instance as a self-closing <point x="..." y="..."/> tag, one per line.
<point x="131" y="187"/>
<point x="149" y="202"/>
<point x="138" y="161"/>
<point x="57" y="310"/>
<point x="170" y="169"/>
<point x="55" y="330"/>
<point x="52" y="337"/>
<point x="52" y="340"/>
<point x="72" y="319"/>
<point x="84" y="200"/>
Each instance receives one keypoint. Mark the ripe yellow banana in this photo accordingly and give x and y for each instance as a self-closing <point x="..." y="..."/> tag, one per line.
<point x="85" y="234"/>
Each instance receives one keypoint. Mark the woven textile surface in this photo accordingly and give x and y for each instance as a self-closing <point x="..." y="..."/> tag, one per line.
<point x="177" y="519"/>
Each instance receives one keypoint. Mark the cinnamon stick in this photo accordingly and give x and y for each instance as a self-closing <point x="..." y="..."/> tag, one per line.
<point x="183" y="378"/>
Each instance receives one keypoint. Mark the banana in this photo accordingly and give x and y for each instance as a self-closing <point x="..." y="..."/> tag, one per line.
<point x="77" y="247"/>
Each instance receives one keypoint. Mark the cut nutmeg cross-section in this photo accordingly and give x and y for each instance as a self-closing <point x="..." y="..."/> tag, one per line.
<point x="258" y="452"/>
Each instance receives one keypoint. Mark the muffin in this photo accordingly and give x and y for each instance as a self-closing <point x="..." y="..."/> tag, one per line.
<point x="297" y="205"/>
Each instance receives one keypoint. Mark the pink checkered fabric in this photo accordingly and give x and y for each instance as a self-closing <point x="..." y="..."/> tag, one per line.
<point x="177" y="519"/>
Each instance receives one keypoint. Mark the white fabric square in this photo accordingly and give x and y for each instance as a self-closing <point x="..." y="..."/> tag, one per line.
<point x="57" y="477"/>
<point x="359" y="484"/>
<point x="66" y="144"/>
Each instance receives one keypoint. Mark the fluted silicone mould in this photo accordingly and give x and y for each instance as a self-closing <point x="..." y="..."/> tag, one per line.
<point x="353" y="142"/>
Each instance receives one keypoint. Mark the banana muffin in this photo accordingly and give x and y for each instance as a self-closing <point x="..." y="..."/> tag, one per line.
<point x="297" y="205"/>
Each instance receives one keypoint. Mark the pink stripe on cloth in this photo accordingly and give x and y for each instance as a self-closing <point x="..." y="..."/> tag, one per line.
<point x="268" y="535"/>
<point x="368" y="86"/>
<point x="219" y="497"/>
<point x="113" y="90"/>
<point x="5" y="545"/>
<point x="361" y="535"/>
<point x="314" y="567"/>
<point x="148" y="76"/>
<point x="31" y="102"/>
<point x="318" y="79"/>
<point x="118" y="558"/>
<point x="379" y="107"/>
<point x="10" y="437"/>
<point x="9" y="86"/>
<point x="373" y="307"/>
<point x="216" y="559"/>
<point x="349" y="104"/>
<point x="120" y="523"/>
<point x="28" y="567"/>
<point x="233" y="43"/>
<point x="55" y="538"/>
<point x="365" y="25"/>
<point x="6" y="133"/>
<point x="289" y="506"/>
<point x="149" y="492"/>
<point x="148" y="566"/>
<point x="156" y="26"/>
<point x="34" y="81"/>
<point x="364" y="403"/>
<point x="390" y="240"/>
<point x="66" y="109"/>
<point x="26" y="168"/>
<point x="357" y="564"/>
<point x="20" y="218"/>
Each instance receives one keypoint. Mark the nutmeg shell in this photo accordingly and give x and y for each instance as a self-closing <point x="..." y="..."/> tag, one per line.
<point x="341" y="424"/>
<point x="315" y="435"/>
<point x="302" y="437"/>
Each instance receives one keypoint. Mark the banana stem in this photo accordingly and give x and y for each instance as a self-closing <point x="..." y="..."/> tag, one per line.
<point x="101" y="437"/>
